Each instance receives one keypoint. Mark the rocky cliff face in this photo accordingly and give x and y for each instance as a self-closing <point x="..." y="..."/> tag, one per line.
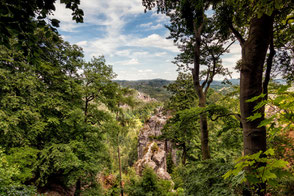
<point x="152" y="152"/>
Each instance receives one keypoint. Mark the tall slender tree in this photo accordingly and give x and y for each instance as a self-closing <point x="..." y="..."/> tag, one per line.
<point x="201" y="44"/>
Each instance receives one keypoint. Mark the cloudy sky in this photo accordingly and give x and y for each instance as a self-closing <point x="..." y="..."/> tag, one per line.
<point x="132" y="41"/>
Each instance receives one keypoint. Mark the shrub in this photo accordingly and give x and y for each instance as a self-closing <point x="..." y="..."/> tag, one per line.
<point x="203" y="178"/>
<point x="149" y="185"/>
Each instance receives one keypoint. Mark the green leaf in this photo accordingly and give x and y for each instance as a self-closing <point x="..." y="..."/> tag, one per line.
<point x="266" y="121"/>
<point x="55" y="22"/>
<point x="254" y="117"/>
<point x="270" y="152"/>
<point x="256" y="98"/>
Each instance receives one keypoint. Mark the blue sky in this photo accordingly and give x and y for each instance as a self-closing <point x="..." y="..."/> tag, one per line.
<point x="132" y="41"/>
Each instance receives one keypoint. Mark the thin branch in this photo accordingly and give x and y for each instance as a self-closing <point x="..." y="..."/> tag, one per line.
<point x="207" y="75"/>
<point x="269" y="64"/>
<point x="90" y="98"/>
<point x="211" y="77"/>
<point x="237" y="34"/>
<point x="288" y="19"/>
<point x="238" y="116"/>
<point x="213" y="70"/>
<point x="206" y="79"/>
<point x="226" y="48"/>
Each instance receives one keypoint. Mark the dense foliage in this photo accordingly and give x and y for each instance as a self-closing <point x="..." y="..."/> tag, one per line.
<point x="66" y="127"/>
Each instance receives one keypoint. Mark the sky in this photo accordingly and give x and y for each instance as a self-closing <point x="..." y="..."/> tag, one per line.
<point x="132" y="41"/>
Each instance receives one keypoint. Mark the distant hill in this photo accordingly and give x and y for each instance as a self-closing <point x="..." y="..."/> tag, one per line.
<point x="154" y="88"/>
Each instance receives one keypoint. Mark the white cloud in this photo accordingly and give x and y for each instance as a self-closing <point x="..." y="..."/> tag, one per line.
<point x="110" y="17"/>
<point x="140" y="54"/>
<point x="156" y="41"/>
<point x="146" y="24"/>
<point x="150" y="26"/>
<point x="65" y="17"/>
<point x="235" y="48"/>
<point x="110" y="13"/>
<point x="160" y="18"/>
<point x="230" y="59"/>
<point x="161" y="54"/>
<point x="154" y="27"/>
<point x="123" y="53"/>
<point x="132" y="62"/>
<point x="145" y="70"/>
<point x="65" y="37"/>
<point x="82" y="43"/>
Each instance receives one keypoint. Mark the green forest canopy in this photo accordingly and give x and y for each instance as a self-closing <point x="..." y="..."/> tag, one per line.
<point x="66" y="123"/>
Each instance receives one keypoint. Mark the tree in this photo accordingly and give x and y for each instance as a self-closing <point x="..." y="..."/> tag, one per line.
<point x="122" y="98"/>
<point x="256" y="21"/>
<point x="202" y="45"/>
<point x="42" y="109"/>
<point x="149" y="184"/>
<point x="97" y="78"/>
<point x="183" y="95"/>
<point x="252" y="24"/>
<point x="182" y="134"/>
<point x="21" y="19"/>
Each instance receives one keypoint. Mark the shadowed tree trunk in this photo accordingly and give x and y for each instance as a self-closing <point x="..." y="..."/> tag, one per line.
<point x="253" y="57"/>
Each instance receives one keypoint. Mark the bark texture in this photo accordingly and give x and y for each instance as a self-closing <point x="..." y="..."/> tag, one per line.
<point x="253" y="57"/>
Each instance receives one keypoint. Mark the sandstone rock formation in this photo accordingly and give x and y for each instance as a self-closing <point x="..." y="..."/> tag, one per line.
<point x="151" y="152"/>
<point x="144" y="97"/>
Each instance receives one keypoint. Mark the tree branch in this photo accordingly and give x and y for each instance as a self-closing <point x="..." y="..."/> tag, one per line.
<point x="196" y="70"/>
<point x="90" y="98"/>
<point x="212" y="76"/>
<point x="237" y="34"/>
<point x="269" y="64"/>
<point x="238" y="116"/>
<point x="226" y="48"/>
<point x="208" y="69"/>
<point x="288" y="19"/>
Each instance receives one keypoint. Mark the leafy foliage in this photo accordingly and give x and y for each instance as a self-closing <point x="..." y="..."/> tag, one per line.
<point x="45" y="126"/>
<point x="204" y="178"/>
<point x="20" y="19"/>
<point x="149" y="184"/>
<point x="263" y="168"/>
<point x="11" y="178"/>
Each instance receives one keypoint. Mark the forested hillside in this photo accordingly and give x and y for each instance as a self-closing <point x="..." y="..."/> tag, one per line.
<point x="68" y="127"/>
<point x="156" y="88"/>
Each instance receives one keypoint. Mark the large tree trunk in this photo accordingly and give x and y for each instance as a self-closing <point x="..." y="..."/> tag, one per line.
<point x="253" y="57"/>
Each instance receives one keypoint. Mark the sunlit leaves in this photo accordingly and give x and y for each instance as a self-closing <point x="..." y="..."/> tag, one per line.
<point x="263" y="168"/>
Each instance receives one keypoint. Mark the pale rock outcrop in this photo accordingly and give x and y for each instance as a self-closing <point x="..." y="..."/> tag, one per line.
<point x="144" y="97"/>
<point x="151" y="152"/>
